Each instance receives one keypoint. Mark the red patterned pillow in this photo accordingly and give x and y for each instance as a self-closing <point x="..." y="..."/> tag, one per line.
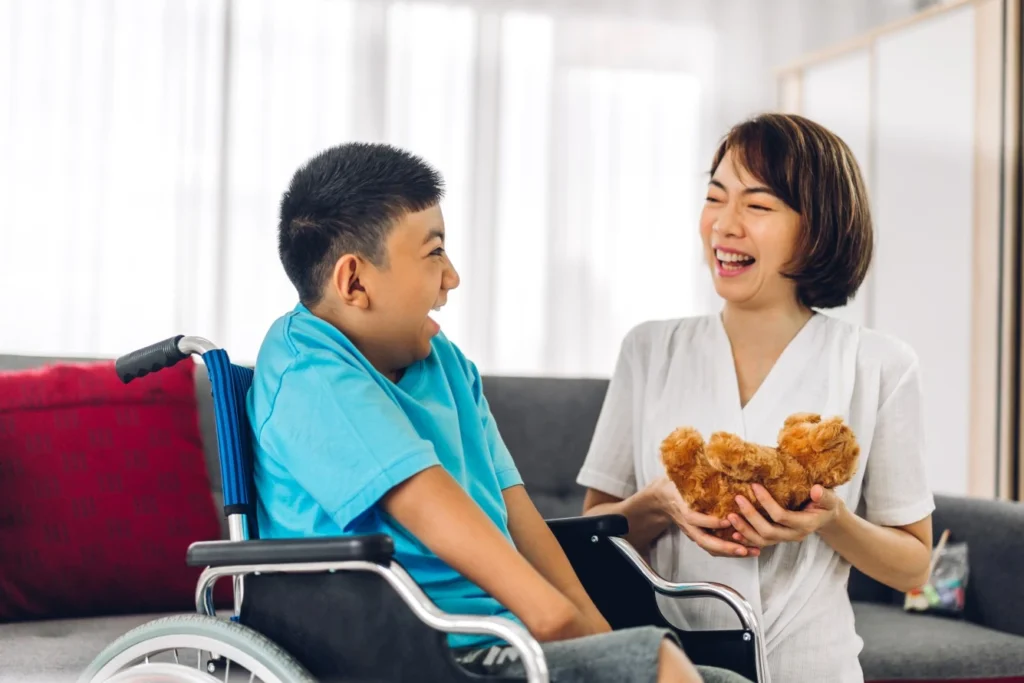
<point x="102" y="488"/>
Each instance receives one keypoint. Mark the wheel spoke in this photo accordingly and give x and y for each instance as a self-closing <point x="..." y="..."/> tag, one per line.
<point x="250" y="650"/>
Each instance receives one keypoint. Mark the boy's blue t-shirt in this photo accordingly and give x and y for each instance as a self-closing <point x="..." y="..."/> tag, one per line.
<point x="331" y="435"/>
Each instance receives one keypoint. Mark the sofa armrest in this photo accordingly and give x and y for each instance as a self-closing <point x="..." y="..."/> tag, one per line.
<point x="377" y="548"/>
<point x="994" y="533"/>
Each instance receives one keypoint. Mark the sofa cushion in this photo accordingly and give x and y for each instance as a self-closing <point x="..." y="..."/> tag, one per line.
<point x="58" y="650"/>
<point x="992" y="530"/>
<point x="102" y="488"/>
<point x="902" y="646"/>
<point x="547" y="424"/>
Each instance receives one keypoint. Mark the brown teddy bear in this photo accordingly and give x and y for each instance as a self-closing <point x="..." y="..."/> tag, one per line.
<point x="710" y="476"/>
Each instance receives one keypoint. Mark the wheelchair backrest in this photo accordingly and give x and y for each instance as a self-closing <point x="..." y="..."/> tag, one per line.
<point x="230" y="383"/>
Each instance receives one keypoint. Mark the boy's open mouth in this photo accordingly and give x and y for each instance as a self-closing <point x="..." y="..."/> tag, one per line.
<point x="433" y="323"/>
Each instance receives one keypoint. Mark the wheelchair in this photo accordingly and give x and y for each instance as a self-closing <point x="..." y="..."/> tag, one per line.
<point x="343" y="610"/>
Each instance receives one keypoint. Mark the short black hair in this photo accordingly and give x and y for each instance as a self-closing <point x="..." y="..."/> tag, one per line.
<point x="814" y="172"/>
<point x="345" y="200"/>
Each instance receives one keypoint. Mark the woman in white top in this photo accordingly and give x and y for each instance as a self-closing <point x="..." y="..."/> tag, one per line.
<point x="786" y="229"/>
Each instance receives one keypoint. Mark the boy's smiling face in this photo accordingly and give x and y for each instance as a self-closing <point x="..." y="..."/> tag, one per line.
<point x="393" y="327"/>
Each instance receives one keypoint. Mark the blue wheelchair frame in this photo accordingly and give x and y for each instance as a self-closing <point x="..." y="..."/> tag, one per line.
<point x="615" y="576"/>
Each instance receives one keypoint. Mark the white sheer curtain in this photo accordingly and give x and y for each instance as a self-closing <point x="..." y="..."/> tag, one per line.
<point x="146" y="144"/>
<point x="292" y="91"/>
<point x="563" y="172"/>
<point x="109" y="156"/>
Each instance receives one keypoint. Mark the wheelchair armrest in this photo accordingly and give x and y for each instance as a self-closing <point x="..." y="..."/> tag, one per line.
<point x="376" y="548"/>
<point x="589" y="525"/>
<point x="739" y="605"/>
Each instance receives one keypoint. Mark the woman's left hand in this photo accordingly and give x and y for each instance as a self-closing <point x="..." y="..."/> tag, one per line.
<point x="783" y="525"/>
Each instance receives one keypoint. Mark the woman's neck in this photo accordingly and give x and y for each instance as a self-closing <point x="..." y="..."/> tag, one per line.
<point x="769" y="328"/>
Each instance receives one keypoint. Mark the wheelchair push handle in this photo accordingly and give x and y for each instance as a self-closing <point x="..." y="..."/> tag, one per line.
<point x="152" y="358"/>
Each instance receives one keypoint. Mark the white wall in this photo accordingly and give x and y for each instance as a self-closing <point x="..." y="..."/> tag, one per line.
<point x="923" y="200"/>
<point x="905" y="104"/>
<point x="837" y="94"/>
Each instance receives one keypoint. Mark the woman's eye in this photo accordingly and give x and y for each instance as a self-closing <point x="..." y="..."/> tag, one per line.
<point x="713" y="200"/>
<point x="438" y="252"/>
<point x="759" y="207"/>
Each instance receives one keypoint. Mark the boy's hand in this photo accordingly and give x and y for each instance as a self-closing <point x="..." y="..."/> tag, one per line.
<point x="461" y="535"/>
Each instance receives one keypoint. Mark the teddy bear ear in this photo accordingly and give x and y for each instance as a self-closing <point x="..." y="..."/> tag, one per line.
<point x="801" y="418"/>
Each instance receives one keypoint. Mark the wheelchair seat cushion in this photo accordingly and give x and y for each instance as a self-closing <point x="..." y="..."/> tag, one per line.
<point x="103" y="487"/>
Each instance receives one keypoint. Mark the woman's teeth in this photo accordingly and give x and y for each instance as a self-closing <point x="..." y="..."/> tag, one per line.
<point x="733" y="261"/>
<point x="731" y="257"/>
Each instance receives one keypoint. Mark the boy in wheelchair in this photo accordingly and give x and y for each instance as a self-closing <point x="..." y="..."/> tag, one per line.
<point x="366" y="419"/>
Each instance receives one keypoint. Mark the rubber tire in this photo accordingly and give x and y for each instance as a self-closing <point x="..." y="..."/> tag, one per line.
<point x="254" y="644"/>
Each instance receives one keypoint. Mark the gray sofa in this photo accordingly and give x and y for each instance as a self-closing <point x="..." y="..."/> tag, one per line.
<point x="547" y="424"/>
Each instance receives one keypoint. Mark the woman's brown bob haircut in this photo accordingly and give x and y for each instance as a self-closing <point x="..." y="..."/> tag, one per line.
<point x="813" y="171"/>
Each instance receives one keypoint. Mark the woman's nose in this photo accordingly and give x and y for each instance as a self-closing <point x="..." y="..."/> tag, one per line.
<point x="728" y="222"/>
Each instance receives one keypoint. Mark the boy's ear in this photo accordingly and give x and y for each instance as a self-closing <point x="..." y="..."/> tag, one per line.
<point x="346" y="280"/>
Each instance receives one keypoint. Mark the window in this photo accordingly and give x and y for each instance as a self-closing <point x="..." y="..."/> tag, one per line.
<point x="150" y="143"/>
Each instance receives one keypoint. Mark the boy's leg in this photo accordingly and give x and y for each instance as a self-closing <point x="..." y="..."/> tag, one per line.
<point x="627" y="656"/>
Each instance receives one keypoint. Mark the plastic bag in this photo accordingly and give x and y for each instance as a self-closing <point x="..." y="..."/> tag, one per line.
<point x="946" y="590"/>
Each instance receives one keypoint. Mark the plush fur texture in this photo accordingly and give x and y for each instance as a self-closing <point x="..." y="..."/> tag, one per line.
<point x="710" y="475"/>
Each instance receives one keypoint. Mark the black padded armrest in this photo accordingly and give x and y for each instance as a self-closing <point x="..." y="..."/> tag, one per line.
<point x="587" y="526"/>
<point x="377" y="548"/>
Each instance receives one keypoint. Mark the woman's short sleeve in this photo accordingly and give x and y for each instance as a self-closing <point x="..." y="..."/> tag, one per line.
<point x="896" y="491"/>
<point x="609" y="465"/>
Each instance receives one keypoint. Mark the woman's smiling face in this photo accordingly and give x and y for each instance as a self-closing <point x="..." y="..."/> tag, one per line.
<point x="749" y="235"/>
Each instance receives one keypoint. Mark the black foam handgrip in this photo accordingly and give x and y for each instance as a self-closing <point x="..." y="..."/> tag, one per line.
<point x="152" y="358"/>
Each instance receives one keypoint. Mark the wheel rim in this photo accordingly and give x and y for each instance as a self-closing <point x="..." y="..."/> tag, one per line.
<point x="187" y="648"/>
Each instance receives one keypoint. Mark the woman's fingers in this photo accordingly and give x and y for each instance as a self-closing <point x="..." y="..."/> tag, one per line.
<point x="767" y="530"/>
<point x="824" y="498"/>
<point x="718" y="546"/>
<point x="746" y="533"/>
<point x="778" y="513"/>
<point x="704" y="521"/>
<point x="681" y="511"/>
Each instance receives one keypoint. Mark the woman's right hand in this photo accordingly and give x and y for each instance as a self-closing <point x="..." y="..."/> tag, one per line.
<point x="695" y="524"/>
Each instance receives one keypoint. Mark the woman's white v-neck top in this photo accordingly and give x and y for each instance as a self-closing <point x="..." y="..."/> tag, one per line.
<point x="681" y="372"/>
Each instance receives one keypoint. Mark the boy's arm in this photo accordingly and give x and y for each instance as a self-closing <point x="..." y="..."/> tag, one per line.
<point x="530" y="533"/>
<point x="462" y="536"/>
<point x="541" y="549"/>
<point x="528" y="529"/>
<point x="346" y="442"/>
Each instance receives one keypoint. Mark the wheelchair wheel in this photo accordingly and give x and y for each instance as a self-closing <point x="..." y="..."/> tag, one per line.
<point x="192" y="648"/>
